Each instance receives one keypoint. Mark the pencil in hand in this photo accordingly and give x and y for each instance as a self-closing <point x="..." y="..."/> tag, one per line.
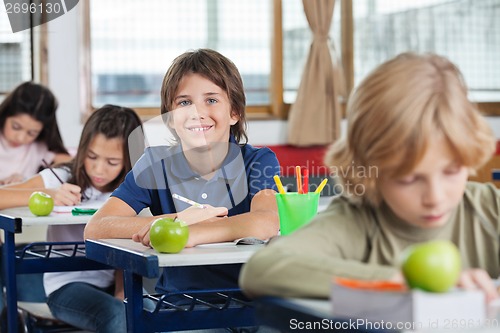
<point x="51" y="170"/>
<point x="188" y="201"/>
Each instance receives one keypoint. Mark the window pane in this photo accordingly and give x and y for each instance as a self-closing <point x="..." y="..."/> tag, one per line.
<point x="15" y="55"/>
<point x="466" y="31"/>
<point x="134" y="42"/>
<point x="297" y="38"/>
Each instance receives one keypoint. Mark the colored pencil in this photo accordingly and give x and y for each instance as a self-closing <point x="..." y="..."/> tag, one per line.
<point x="188" y="201"/>
<point x="279" y="185"/>
<point x="305" y="186"/>
<point x="299" y="179"/>
<point x="321" y="185"/>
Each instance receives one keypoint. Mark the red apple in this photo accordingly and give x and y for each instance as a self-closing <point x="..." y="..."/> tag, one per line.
<point x="168" y="235"/>
<point x="432" y="266"/>
<point x="41" y="204"/>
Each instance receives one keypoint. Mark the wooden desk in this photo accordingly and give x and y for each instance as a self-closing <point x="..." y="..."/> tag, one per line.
<point x="38" y="257"/>
<point x="138" y="261"/>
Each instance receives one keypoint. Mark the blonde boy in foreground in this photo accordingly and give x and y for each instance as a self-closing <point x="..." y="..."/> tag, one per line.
<point x="413" y="138"/>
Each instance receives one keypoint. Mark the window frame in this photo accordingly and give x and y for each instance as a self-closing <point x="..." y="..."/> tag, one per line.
<point x="277" y="109"/>
<point x="39" y="56"/>
<point x="347" y="18"/>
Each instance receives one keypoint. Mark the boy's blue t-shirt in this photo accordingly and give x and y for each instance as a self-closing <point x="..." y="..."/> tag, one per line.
<point x="163" y="170"/>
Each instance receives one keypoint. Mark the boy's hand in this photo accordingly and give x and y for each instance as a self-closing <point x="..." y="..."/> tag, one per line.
<point x="478" y="279"/>
<point x="194" y="215"/>
<point x="398" y="278"/>
<point x="470" y="279"/>
<point x="191" y="215"/>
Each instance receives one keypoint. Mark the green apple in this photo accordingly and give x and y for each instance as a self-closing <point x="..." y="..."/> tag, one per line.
<point x="40" y="203"/>
<point x="432" y="266"/>
<point x="168" y="235"/>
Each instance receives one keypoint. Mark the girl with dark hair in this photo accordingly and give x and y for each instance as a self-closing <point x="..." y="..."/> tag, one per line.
<point x="89" y="299"/>
<point x="29" y="132"/>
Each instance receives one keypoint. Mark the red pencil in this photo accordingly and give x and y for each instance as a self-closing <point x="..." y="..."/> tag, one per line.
<point x="299" y="179"/>
<point x="305" y="187"/>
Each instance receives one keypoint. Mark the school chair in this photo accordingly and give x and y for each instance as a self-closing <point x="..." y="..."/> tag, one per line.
<point x="34" y="315"/>
<point x="37" y="318"/>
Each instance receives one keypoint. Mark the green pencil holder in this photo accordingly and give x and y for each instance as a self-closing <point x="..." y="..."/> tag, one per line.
<point x="296" y="210"/>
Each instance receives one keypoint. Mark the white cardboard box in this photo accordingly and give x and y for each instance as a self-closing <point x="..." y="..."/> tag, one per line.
<point x="410" y="310"/>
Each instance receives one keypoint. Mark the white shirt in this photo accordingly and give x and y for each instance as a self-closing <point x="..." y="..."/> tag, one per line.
<point x="25" y="160"/>
<point x="72" y="233"/>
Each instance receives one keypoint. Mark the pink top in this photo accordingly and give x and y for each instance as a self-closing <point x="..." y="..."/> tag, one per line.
<point x="25" y="160"/>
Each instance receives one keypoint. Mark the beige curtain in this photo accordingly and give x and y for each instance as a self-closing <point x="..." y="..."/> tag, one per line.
<point x="314" y="118"/>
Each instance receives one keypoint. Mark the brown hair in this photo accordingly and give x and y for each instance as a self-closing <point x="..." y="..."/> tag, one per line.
<point x="38" y="102"/>
<point x="396" y="112"/>
<point x="113" y="122"/>
<point x="216" y="68"/>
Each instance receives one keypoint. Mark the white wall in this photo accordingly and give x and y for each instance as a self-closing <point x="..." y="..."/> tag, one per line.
<point x="64" y="57"/>
<point x="64" y="80"/>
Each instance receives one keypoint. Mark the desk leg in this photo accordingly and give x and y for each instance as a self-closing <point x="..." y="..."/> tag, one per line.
<point x="134" y="306"/>
<point x="9" y="268"/>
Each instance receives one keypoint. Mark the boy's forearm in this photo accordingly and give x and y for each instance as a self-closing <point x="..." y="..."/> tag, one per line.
<point x="270" y="272"/>
<point x="263" y="225"/>
<point x="100" y="227"/>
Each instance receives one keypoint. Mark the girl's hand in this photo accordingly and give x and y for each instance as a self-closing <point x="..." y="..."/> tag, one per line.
<point x="193" y="215"/>
<point x="478" y="279"/>
<point x="119" y="291"/>
<point x="14" y="178"/>
<point x="120" y="295"/>
<point x="66" y="195"/>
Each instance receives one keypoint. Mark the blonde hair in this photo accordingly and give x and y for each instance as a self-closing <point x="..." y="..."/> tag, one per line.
<point x="394" y="115"/>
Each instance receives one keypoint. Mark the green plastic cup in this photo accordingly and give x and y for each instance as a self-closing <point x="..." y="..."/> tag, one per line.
<point x="296" y="210"/>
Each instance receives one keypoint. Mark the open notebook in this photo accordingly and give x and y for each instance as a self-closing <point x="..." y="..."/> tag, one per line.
<point x="239" y="241"/>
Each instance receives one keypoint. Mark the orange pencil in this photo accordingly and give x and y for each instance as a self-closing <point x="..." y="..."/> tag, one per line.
<point x="299" y="179"/>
